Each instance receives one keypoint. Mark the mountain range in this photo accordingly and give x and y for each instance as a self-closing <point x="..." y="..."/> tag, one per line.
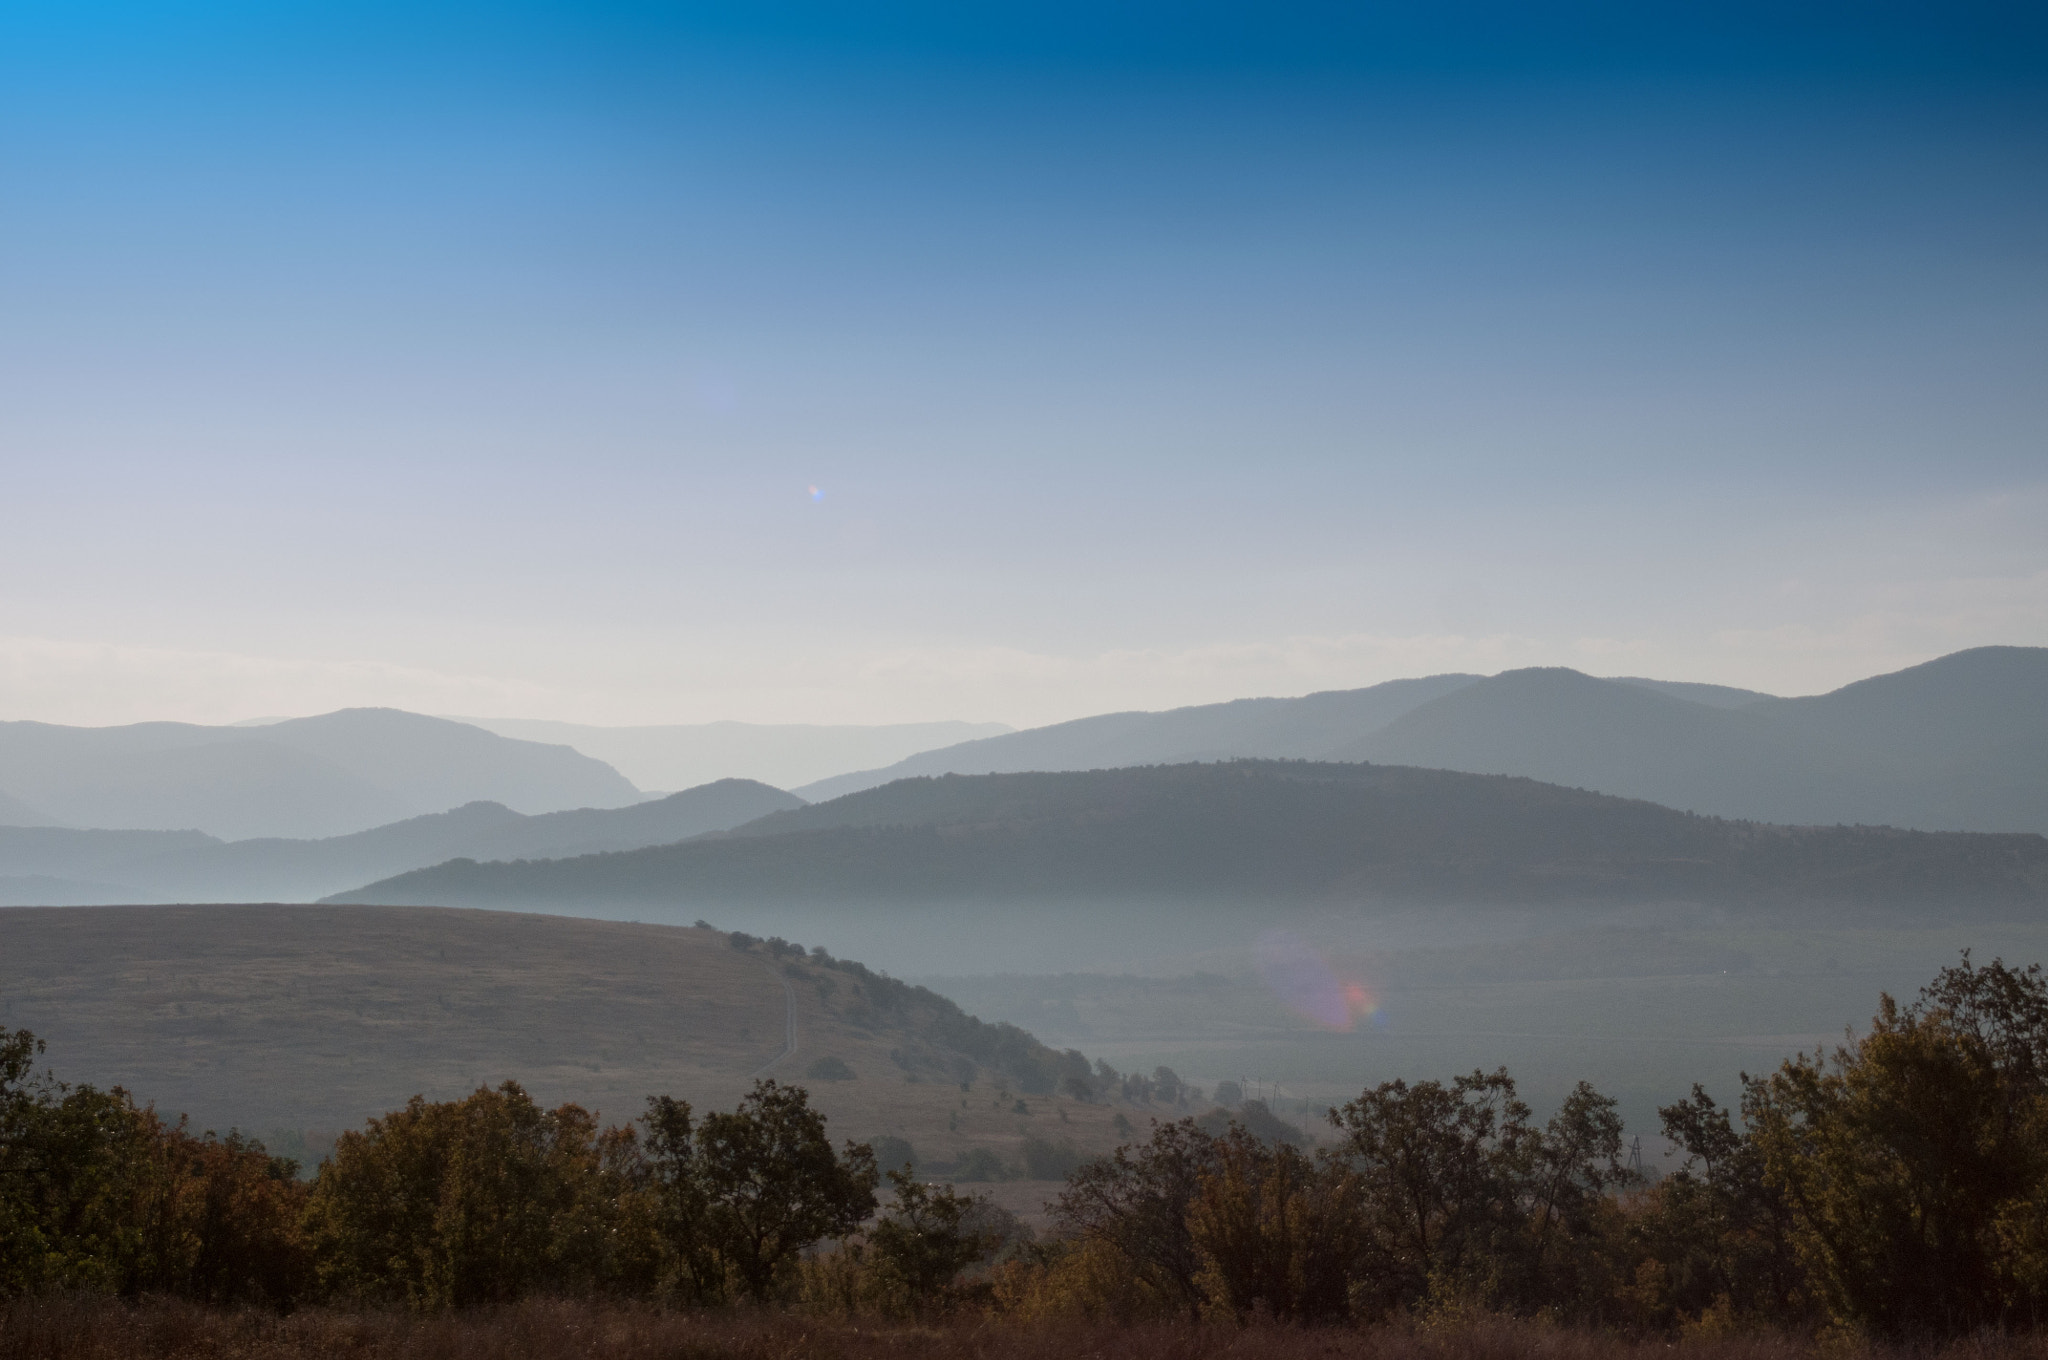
<point x="61" y="866"/>
<point x="1959" y="743"/>
<point x="313" y="806"/>
<point x="1254" y="832"/>
<point x="303" y="777"/>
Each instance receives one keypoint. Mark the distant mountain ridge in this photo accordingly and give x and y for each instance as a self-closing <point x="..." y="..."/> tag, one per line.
<point x="1273" y="729"/>
<point x="1956" y="744"/>
<point x="1251" y="832"/>
<point x="50" y="866"/>
<point x="1959" y="743"/>
<point x="305" y="777"/>
<point x="682" y="756"/>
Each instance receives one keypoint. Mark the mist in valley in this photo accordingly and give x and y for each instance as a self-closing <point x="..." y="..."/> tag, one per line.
<point x="1207" y="891"/>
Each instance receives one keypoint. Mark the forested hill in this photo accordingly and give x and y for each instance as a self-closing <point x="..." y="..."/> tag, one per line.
<point x="1257" y="830"/>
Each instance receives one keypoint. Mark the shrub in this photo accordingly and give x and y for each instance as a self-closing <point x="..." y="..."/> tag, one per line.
<point x="1045" y="1160"/>
<point x="894" y="1154"/>
<point x="980" y="1164"/>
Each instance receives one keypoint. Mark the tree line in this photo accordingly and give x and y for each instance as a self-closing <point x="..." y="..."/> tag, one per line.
<point x="970" y="1044"/>
<point x="1896" y="1186"/>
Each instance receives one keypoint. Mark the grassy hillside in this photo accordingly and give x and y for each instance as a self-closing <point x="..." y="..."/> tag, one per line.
<point x="1258" y="831"/>
<point x="316" y="1017"/>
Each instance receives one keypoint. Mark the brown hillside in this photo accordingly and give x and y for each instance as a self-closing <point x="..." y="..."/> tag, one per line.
<point x="314" y="1018"/>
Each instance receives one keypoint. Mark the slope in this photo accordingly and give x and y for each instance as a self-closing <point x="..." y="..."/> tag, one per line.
<point x="166" y="866"/>
<point x="1255" y="831"/>
<point x="316" y="1017"/>
<point x="1258" y="728"/>
<point x="305" y="777"/>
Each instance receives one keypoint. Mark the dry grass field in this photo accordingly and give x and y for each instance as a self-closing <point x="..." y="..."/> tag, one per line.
<point x="85" y="1329"/>
<point x="314" y="1018"/>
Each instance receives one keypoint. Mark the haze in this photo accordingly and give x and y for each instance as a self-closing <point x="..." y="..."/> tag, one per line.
<point x="895" y="364"/>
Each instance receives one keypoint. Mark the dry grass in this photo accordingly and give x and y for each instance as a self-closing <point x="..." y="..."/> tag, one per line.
<point x="97" y="1329"/>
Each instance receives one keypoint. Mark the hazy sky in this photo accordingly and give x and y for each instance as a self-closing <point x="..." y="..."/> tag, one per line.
<point x="852" y="362"/>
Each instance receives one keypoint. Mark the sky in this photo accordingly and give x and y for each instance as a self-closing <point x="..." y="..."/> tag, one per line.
<point x="888" y="362"/>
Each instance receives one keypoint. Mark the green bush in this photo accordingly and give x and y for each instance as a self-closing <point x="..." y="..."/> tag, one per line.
<point x="829" y="1068"/>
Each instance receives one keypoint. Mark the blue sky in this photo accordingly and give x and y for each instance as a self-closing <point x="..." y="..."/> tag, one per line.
<point x="486" y="358"/>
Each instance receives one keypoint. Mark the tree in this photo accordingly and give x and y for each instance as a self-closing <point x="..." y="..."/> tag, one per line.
<point x="1442" y="1170"/>
<point x="689" y="1267"/>
<point x="237" y="1212"/>
<point x="772" y="1185"/>
<point x="1719" y="1234"/>
<point x="1135" y="1204"/>
<point x="488" y="1198"/>
<point x="1278" y="1231"/>
<point x="1908" y="1158"/>
<point x="98" y="1195"/>
<point x="927" y="1237"/>
<point x="1574" y="1168"/>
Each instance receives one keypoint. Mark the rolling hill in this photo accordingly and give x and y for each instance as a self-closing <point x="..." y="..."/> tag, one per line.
<point x="1250" y="832"/>
<point x="62" y="867"/>
<point x="311" y="1018"/>
<point x="305" y="777"/>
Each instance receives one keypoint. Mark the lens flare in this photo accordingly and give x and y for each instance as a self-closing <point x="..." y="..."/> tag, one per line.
<point x="1307" y="985"/>
<point x="816" y="494"/>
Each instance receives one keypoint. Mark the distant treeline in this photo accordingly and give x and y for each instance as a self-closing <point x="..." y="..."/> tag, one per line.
<point x="1032" y="1067"/>
<point x="1254" y="830"/>
<point x="1895" y="1187"/>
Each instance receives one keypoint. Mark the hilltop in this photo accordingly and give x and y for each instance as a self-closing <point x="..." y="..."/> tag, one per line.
<point x="1252" y="831"/>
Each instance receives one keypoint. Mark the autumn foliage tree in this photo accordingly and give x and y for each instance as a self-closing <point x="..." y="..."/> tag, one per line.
<point x="98" y="1194"/>
<point x="477" y="1200"/>
<point x="1913" y="1160"/>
